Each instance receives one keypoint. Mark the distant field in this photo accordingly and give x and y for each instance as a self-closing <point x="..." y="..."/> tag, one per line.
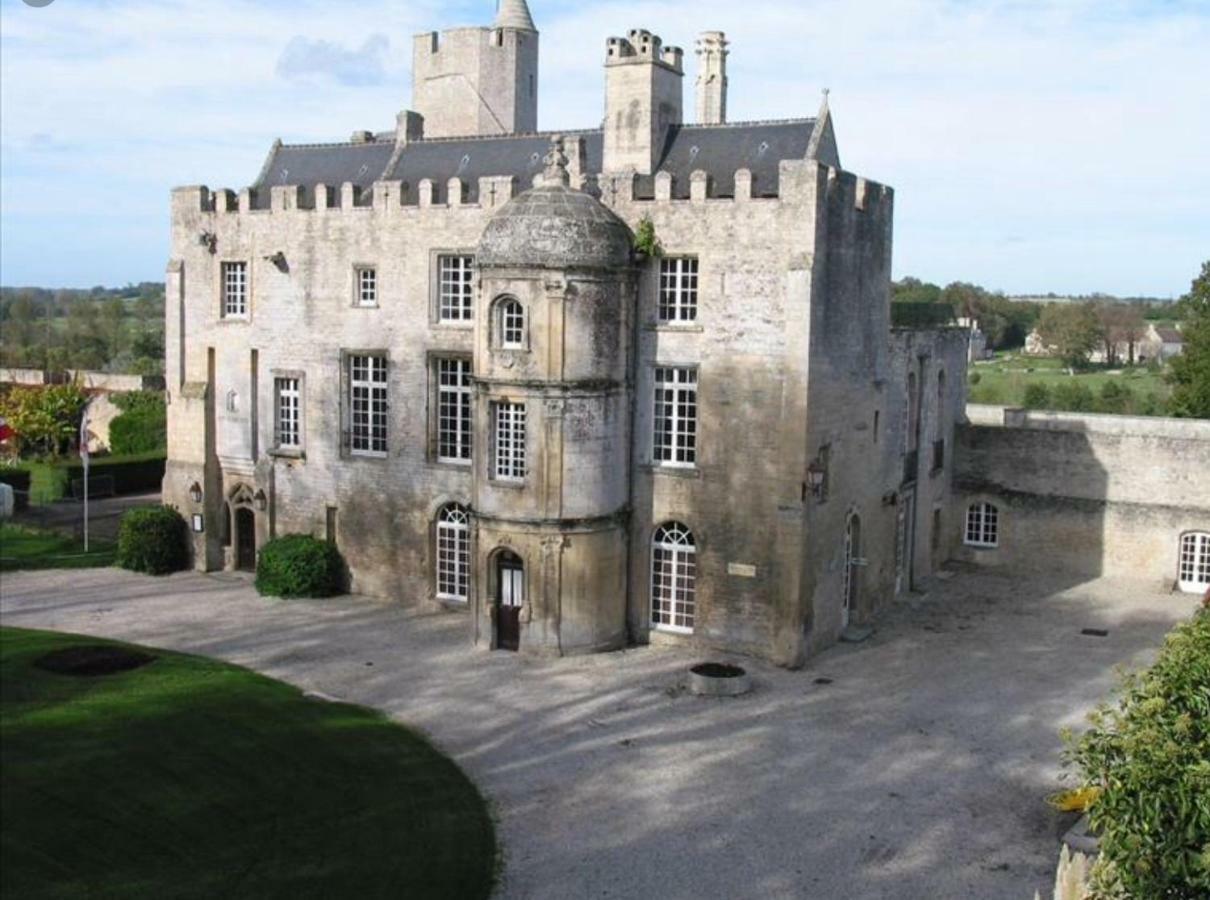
<point x="1004" y="380"/>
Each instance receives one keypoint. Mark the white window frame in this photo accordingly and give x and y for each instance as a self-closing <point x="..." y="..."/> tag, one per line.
<point x="288" y="411"/>
<point x="365" y="286"/>
<point x="1193" y="562"/>
<point x="508" y="439"/>
<point x="368" y="403"/>
<point x="982" y="526"/>
<point x="510" y="324"/>
<point x="233" y="274"/>
<point x="454" y="433"/>
<point x="676" y="300"/>
<point x="674" y="416"/>
<point x="455" y="274"/>
<point x="673" y="579"/>
<point x="453" y="571"/>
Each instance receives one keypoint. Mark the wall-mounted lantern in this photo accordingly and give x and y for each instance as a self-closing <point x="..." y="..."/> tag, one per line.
<point x="208" y="240"/>
<point x="816" y="475"/>
<point x="195" y="492"/>
<point x="279" y="261"/>
<point x="260" y="501"/>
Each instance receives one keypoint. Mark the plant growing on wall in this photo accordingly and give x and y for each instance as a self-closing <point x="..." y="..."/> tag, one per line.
<point x="646" y="243"/>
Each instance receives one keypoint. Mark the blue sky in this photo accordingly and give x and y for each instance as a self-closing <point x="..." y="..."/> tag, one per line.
<point x="1033" y="144"/>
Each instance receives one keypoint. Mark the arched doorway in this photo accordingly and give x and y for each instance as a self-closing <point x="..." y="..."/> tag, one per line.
<point x="510" y="597"/>
<point x="852" y="568"/>
<point x="245" y="539"/>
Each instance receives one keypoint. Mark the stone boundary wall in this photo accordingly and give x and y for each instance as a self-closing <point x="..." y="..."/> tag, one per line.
<point x="1084" y="494"/>
<point x="95" y="381"/>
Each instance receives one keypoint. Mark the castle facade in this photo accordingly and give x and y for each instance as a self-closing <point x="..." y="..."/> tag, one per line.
<point x="621" y="385"/>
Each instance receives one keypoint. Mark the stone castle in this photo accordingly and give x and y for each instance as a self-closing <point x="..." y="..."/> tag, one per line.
<point x="625" y="385"/>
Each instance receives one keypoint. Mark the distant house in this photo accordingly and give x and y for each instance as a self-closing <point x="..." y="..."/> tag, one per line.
<point x="1160" y="343"/>
<point x="1035" y="346"/>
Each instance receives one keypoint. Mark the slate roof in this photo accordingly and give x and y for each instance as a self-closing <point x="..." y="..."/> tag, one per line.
<point x="718" y="149"/>
<point x="1170" y="335"/>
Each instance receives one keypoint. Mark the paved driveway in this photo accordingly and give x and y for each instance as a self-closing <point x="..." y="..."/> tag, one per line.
<point x="917" y="772"/>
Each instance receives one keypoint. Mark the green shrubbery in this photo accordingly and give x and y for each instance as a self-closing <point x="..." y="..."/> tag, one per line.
<point x="143" y="425"/>
<point x="1150" y="756"/>
<point x="298" y="565"/>
<point x="153" y="540"/>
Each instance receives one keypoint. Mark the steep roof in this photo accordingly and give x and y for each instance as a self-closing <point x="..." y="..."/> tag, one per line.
<point x="717" y="149"/>
<point x="1169" y="335"/>
<point x="514" y="14"/>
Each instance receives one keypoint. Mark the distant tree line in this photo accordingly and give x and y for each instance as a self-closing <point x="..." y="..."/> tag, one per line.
<point x="1005" y="322"/>
<point x="98" y="329"/>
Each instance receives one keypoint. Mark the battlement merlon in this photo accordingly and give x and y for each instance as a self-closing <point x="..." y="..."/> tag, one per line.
<point x="641" y="46"/>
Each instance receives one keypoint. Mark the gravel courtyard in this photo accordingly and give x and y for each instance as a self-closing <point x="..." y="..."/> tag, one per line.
<point x="917" y="770"/>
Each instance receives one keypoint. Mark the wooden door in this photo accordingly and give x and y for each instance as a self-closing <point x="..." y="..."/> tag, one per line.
<point x="245" y="539"/>
<point x="510" y="596"/>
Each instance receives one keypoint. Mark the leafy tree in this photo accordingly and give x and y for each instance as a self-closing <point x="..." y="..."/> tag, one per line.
<point x="46" y="419"/>
<point x="1120" y="324"/>
<point x="1072" y="329"/>
<point x="913" y="290"/>
<point x="1190" y="372"/>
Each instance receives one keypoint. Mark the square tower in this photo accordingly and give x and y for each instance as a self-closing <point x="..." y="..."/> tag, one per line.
<point x="643" y="99"/>
<point x="478" y="81"/>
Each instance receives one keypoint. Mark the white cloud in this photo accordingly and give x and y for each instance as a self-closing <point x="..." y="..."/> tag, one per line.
<point x="1076" y="126"/>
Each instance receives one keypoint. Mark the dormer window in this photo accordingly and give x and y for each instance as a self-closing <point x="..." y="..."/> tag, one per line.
<point x="510" y="324"/>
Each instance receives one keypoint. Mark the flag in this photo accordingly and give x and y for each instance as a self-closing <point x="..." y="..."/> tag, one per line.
<point x="5" y="431"/>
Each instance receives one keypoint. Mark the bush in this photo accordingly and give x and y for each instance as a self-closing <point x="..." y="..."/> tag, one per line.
<point x="143" y="424"/>
<point x="1150" y="756"/>
<point x="1037" y="396"/>
<point x="975" y="378"/>
<point x="298" y="565"/>
<point x="1073" y="396"/>
<point x="1115" y="398"/>
<point x="153" y="540"/>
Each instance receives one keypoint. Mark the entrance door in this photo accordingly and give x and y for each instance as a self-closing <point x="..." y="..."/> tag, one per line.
<point x="510" y="595"/>
<point x="1194" y="575"/>
<point x="245" y="539"/>
<point x="852" y="564"/>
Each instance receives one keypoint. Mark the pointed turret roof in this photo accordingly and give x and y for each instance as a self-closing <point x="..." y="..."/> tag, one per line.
<point x="514" y="14"/>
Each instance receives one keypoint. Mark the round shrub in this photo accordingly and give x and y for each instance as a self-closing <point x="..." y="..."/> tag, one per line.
<point x="153" y="540"/>
<point x="298" y="565"/>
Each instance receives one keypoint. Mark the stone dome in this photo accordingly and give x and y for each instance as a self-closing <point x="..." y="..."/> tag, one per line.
<point x="555" y="227"/>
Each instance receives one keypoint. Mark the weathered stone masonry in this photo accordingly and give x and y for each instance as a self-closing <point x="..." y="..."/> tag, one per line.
<point x="813" y="492"/>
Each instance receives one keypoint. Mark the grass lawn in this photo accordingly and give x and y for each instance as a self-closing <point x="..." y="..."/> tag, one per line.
<point x="33" y="548"/>
<point x="192" y="778"/>
<point x="1003" y="380"/>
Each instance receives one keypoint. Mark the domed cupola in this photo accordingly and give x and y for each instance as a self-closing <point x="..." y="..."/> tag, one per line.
<point x="554" y="226"/>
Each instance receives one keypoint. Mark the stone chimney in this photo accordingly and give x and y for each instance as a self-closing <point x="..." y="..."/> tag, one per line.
<point x="712" y="78"/>
<point x="643" y="100"/>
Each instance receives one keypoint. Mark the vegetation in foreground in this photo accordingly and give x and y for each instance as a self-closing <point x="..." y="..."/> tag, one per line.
<point x="33" y="548"/>
<point x="153" y="540"/>
<point x="299" y="565"/>
<point x="1149" y="756"/>
<point x="192" y="778"/>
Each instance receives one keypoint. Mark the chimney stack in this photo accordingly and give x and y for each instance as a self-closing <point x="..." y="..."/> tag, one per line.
<point x="712" y="78"/>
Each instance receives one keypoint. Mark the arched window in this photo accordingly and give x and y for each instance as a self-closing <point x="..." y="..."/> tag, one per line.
<point x="673" y="578"/>
<point x="453" y="553"/>
<point x="510" y="324"/>
<point x="982" y="525"/>
<point x="1194" y="574"/>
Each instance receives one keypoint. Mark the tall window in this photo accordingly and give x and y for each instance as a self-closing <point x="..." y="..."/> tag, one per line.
<point x="982" y="525"/>
<point x="1195" y="562"/>
<point x="453" y="553"/>
<point x="454" y="410"/>
<point x="455" y="288"/>
<point x="367" y="286"/>
<point x="235" y="290"/>
<point x="287" y="419"/>
<point x="673" y="578"/>
<point x="510" y="324"/>
<point x="509" y="460"/>
<point x="678" y="289"/>
<point x="675" y="442"/>
<point x="368" y="404"/>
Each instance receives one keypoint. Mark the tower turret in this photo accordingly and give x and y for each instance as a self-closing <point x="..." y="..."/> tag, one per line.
<point x="643" y="99"/>
<point x="478" y="80"/>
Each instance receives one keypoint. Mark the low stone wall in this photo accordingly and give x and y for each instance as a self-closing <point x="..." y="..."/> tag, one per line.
<point x="1086" y="494"/>
<point x="94" y="381"/>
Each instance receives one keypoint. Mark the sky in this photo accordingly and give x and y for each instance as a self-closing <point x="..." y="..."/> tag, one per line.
<point x="1034" y="145"/>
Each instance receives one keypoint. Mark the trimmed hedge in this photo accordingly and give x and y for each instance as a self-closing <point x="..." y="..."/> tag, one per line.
<point x="1149" y="754"/>
<point x="153" y="540"/>
<point x="18" y="480"/>
<point x="143" y="425"/>
<point x="131" y="474"/>
<point x="298" y="565"/>
<point x="918" y="314"/>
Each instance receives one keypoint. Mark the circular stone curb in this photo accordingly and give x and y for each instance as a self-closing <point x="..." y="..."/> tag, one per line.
<point x="718" y="680"/>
